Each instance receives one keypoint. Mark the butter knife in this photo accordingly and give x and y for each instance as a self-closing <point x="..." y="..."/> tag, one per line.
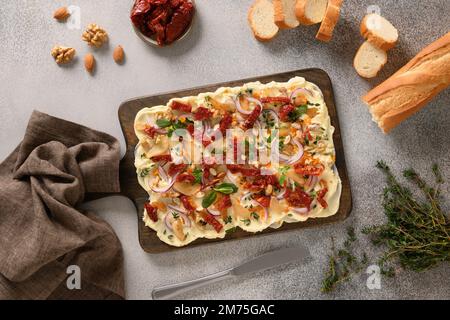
<point x="264" y="262"/>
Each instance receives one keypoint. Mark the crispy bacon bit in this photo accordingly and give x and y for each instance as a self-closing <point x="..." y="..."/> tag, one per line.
<point x="275" y="100"/>
<point x="298" y="198"/>
<point x="186" y="177"/>
<point x="176" y="168"/>
<point x="320" y="198"/>
<point x="202" y="113"/>
<point x="264" y="201"/>
<point x="179" y="106"/>
<point x="250" y="121"/>
<point x="308" y="170"/>
<point x="244" y="170"/>
<point x="151" y="211"/>
<point x="162" y="158"/>
<point x="224" y="203"/>
<point x="285" y="111"/>
<point x="209" y="219"/>
<point x="150" y="131"/>
<point x="187" y="204"/>
<point x="225" y="123"/>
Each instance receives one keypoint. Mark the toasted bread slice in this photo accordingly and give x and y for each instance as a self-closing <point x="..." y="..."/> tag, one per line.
<point x="369" y="60"/>
<point x="379" y="31"/>
<point x="310" y="12"/>
<point x="330" y="20"/>
<point x="285" y="14"/>
<point x="261" y="20"/>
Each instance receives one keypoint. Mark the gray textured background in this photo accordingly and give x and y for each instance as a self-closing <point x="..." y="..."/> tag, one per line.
<point x="221" y="48"/>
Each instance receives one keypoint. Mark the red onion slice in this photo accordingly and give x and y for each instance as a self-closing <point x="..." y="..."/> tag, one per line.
<point x="231" y="177"/>
<point x="169" y="217"/>
<point x="214" y="212"/>
<point x="165" y="188"/>
<point x="237" y="102"/>
<point x="163" y="174"/>
<point x="296" y="92"/>
<point x="177" y="209"/>
<point x="281" y="195"/>
<point x="301" y="211"/>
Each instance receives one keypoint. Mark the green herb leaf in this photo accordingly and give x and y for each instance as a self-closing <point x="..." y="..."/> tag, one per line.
<point x="255" y="215"/>
<point x="228" y="219"/>
<point x="198" y="174"/>
<point x="163" y="123"/>
<point x="247" y="222"/>
<point x="209" y="199"/>
<point x="226" y="188"/>
<point x="144" y="172"/>
<point x="297" y="113"/>
<point x="231" y="230"/>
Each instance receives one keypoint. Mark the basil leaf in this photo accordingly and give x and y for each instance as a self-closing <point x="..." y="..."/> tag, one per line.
<point x="209" y="199"/>
<point x="226" y="188"/>
<point x="163" y="123"/>
<point x="198" y="174"/>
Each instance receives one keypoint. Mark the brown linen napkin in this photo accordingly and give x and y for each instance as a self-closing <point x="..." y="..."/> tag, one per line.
<point x="42" y="231"/>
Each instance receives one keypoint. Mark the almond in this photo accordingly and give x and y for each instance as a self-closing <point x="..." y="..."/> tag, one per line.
<point x="89" y="62"/>
<point x="118" y="54"/>
<point x="61" y="14"/>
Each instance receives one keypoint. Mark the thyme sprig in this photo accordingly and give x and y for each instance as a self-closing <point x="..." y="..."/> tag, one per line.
<point x="417" y="233"/>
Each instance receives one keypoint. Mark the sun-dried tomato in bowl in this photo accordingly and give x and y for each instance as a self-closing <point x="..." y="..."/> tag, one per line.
<point x="163" y="20"/>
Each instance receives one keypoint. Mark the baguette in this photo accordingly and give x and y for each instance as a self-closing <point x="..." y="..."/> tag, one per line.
<point x="369" y="60"/>
<point x="412" y="87"/>
<point x="310" y="12"/>
<point x="330" y="20"/>
<point x="379" y="31"/>
<point x="260" y="19"/>
<point x="284" y="16"/>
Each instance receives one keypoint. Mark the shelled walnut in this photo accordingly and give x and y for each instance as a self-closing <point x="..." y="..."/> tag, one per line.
<point x="62" y="54"/>
<point x="95" y="36"/>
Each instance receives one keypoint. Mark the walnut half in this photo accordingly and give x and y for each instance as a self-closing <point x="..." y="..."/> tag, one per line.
<point x="62" y="54"/>
<point x="95" y="36"/>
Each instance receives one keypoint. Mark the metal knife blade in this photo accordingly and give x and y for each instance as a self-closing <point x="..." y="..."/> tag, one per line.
<point x="271" y="260"/>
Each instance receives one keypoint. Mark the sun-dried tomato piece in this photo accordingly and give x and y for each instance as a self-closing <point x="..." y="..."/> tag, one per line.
<point x="307" y="135"/>
<point x="151" y="211"/>
<point x="176" y="168"/>
<point x="246" y="171"/>
<point x="150" y="131"/>
<point x="162" y="158"/>
<point x="275" y="100"/>
<point x="321" y="198"/>
<point x="179" y="106"/>
<point x="224" y="203"/>
<point x="285" y="111"/>
<point x="251" y="119"/>
<point x="202" y="113"/>
<point x="191" y="129"/>
<point x="264" y="201"/>
<point x="209" y="219"/>
<point x="186" y="177"/>
<point x="187" y="203"/>
<point x="308" y="170"/>
<point x="298" y="198"/>
<point x="262" y="181"/>
<point x="225" y="123"/>
<point x="181" y="20"/>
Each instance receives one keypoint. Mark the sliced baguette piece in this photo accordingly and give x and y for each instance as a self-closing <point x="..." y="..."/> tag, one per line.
<point x="369" y="60"/>
<point x="379" y="31"/>
<point x="285" y="14"/>
<point x="412" y="87"/>
<point x="330" y="20"/>
<point x="260" y="19"/>
<point x="310" y="12"/>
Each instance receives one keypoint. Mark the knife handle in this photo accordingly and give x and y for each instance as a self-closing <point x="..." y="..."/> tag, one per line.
<point x="169" y="291"/>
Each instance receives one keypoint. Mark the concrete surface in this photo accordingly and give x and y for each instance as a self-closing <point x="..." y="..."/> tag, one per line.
<point x="221" y="48"/>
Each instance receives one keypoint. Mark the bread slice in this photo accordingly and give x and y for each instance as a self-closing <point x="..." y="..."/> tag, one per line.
<point x="330" y="20"/>
<point x="411" y="87"/>
<point x="261" y="20"/>
<point x="369" y="60"/>
<point x="285" y="14"/>
<point x="310" y="12"/>
<point x="379" y="31"/>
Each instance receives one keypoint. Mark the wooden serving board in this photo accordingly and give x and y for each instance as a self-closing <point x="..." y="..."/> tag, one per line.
<point x="131" y="188"/>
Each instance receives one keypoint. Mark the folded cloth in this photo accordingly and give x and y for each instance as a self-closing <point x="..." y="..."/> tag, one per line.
<point x="42" y="229"/>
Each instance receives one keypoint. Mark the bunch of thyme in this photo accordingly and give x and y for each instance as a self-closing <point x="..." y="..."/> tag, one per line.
<point x="417" y="233"/>
<point x="342" y="263"/>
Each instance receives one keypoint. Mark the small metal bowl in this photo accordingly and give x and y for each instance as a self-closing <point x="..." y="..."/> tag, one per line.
<point x="153" y="42"/>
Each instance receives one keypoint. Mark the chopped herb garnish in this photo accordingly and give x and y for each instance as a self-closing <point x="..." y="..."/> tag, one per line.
<point x="255" y="215"/>
<point x="247" y="222"/>
<point x="283" y="171"/>
<point x="297" y="113"/>
<point x="175" y="215"/>
<point x="144" y="172"/>
<point x="231" y="230"/>
<point x="198" y="174"/>
<point x="228" y="219"/>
